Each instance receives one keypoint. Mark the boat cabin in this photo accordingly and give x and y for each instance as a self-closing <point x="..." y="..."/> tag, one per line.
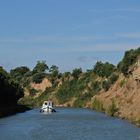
<point x="48" y="103"/>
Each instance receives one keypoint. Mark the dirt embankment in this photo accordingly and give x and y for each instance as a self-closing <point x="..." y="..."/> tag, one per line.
<point x="125" y="94"/>
<point x="42" y="86"/>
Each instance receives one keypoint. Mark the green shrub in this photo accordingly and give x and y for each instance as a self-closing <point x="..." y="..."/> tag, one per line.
<point x="66" y="91"/>
<point x="25" y="81"/>
<point x="97" y="105"/>
<point x="78" y="103"/>
<point x="113" y="78"/>
<point x="82" y="99"/>
<point x="122" y="83"/>
<point x="112" y="109"/>
<point x="137" y="122"/>
<point x="38" y="77"/>
<point x="76" y="72"/>
<point x="129" y="59"/>
<point x="33" y="92"/>
<point x="96" y="86"/>
<point x="27" y="100"/>
<point x="70" y="89"/>
<point x="36" y="102"/>
<point x="104" y="69"/>
<point x="106" y="85"/>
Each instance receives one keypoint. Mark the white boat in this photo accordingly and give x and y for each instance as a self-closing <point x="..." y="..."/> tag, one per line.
<point x="47" y="107"/>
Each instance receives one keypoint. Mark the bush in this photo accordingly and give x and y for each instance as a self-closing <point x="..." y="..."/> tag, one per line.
<point x="106" y="85"/>
<point x="96" y="87"/>
<point x="122" y="83"/>
<point x="113" y="78"/>
<point x="112" y="109"/>
<point x="33" y="92"/>
<point x="38" y="77"/>
<point x="26" y="82"/>
<point x="82" y="100"/>
<point x="76" y="73"/>
<point x="36" y="102"/>
<point x="137" y="122"/>
<point x="70" y="89"/>
<point x="78" y="103"/>
<point x="97" y="105"/>
<point x="66" y="91"/>
<point x="104" y="69"/>
<point x="129" y="59"/>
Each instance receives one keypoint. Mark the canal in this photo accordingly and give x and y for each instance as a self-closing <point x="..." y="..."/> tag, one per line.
<point x="66" y="124"/>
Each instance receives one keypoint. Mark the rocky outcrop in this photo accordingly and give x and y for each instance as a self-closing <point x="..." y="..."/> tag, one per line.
<point x="135" y="70"/>
<point x="41" y="86"/>
<point x="136" y="74"/>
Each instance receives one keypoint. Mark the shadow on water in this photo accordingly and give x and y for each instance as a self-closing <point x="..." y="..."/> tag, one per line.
<point x="11" y="110"/>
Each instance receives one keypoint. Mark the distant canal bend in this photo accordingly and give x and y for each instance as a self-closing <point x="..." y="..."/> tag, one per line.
<point x="66" y="124"/>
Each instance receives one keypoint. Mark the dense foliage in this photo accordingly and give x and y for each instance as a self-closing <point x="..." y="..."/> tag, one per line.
<point x="97" y="105"/>
<point x="67" y="91"/>
<point x="41" y="66"/>
<point x="76" y="72"/>
<point x="10" y="91"/>
<point x="82" y="99"/>
<point x="104" y="69"/>
<point x="18" y="73"/>
<point x="106" y="85"/>
<point x="38" y="77"/>
<point x="76" y="86"/>
<point x="129" y="59"/>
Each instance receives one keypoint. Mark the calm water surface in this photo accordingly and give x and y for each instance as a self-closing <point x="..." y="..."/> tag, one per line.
<point x="66" y="124"/>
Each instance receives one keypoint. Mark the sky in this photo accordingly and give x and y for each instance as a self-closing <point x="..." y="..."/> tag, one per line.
<point x="68" y="33"/>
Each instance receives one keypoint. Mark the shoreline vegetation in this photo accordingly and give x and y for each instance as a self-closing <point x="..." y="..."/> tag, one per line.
<point x="10" y="92"/>
<point x="106" y="88"/>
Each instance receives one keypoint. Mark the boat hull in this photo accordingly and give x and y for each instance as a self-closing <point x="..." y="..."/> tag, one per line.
<point x="48" y="110"/>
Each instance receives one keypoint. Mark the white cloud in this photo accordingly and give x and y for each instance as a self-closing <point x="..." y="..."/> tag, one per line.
<point x="87" y="59"/>
<point x="106" y="47"/>
<point x="94" y="48"/>
<point x="126" y="10"/>
<point x="11" y="40"/>
<point x="69" y="39"/>
<point x="132" y="35"/>
<point x="115" y="10"/>
<point x="55" y="39"/>
<point x="60" y="43"/>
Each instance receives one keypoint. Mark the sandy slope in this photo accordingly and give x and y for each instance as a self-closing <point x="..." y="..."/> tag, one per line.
<point x="126" y="95"/>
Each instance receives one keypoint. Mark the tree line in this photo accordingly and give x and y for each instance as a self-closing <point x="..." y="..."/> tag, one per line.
<point x="12" y="84"/>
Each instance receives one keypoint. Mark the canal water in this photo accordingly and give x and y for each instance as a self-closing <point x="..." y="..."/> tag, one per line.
<point x="66" y="124"/>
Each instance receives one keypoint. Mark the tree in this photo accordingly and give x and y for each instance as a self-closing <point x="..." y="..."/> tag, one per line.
<point x="96" y="86"/>
<point x="104" y="69"/>
<point x="19" y="72"/>
<point x="41" y="66"/>
<point x="38" y="77"/>
<point x="76" y="72"/>
<point x="129" y="59"/>
<point x="54" y="70"/>
<point x="10" y="91"/>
